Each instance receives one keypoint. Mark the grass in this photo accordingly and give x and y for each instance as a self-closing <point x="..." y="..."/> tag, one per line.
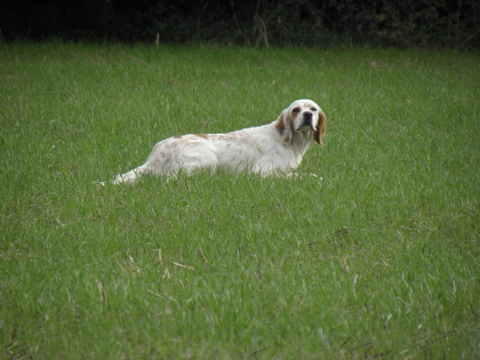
<point x="380" y="259"/>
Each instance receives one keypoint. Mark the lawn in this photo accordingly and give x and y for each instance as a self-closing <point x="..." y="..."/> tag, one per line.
<point x="378" y="257"/>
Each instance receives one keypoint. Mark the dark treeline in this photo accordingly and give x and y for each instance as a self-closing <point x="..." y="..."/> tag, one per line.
<point x="429" y="23"/>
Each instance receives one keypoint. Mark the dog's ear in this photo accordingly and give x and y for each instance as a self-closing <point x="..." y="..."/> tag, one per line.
<point x="284" y="126"/>
<point x="321" y="128"/>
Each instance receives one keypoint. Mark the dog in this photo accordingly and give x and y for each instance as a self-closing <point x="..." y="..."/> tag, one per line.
<point x="276" y="148"/>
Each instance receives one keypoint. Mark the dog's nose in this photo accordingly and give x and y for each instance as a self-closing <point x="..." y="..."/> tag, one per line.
<point x="308" y="119"/>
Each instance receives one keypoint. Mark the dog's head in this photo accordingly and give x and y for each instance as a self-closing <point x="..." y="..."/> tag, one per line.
<point x="302" y="116"/>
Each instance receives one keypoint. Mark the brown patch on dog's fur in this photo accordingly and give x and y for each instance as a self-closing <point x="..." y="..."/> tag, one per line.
<point x="279" y="125"/>
<point x="322" y="127"/>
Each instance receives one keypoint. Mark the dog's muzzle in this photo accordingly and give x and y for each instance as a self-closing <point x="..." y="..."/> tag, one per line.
<point x="307" y="121"/>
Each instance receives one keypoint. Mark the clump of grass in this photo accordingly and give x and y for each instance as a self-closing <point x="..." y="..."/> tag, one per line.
<point x="378" y="259"/>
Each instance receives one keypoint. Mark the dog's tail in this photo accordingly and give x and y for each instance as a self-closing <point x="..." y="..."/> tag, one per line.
<point x="130" y="177"/>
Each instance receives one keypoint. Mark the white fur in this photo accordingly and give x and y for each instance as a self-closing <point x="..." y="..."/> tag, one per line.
<point x="269" y="149"/>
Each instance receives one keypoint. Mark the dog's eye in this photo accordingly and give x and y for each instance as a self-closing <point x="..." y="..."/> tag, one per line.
<point x="296" y="110"/>
<point x="314" y="109"/>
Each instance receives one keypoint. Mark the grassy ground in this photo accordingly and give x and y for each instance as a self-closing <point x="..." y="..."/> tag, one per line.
<point x="380" y="259"/>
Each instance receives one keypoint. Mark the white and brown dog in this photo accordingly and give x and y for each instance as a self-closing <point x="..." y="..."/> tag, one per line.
<point x="276" y="148"/>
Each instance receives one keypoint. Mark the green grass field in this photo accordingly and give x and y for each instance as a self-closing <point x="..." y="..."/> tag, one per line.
<point x="380" y="259"/>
